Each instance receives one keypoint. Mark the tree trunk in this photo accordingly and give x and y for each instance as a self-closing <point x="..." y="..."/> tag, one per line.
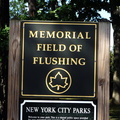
<point x="4" y="20"/>
<point x="116" y="76"/>
<point x="115" y="15"/>
<point x="4" y="13"/>
<point x="63" y="2"/>
<point x="53" y="4"/>
<point x="32" y="7"/>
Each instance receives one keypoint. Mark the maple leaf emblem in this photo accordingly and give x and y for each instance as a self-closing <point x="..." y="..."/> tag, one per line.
<point x="58" y="81"/>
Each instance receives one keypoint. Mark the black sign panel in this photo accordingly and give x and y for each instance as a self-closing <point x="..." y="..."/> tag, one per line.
<point x="58" y="59"/>
<point x="57" y="110"/>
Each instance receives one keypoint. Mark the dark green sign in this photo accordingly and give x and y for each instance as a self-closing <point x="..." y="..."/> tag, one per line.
<point x="58" y="59"/>
<point x="57" y="110"/>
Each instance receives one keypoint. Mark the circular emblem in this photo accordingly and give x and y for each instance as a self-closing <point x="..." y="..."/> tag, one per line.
<point x="58" y="80"/>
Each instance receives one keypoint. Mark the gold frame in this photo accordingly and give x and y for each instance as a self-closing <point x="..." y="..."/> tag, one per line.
<point x="60" y="23"/>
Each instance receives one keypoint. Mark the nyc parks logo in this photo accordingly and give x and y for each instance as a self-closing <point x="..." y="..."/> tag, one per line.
<point x="58" y="80"/>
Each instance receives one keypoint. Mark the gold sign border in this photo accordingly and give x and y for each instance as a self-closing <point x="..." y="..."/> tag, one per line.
<point x="59" y="23"/>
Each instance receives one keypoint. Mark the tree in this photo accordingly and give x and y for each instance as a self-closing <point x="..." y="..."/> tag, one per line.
<point x="4" y="20"/>
<point x="115" y="17"/>
<point x="32" y="7"/>
<point x="3" y="70"/>
<point x="4" y="12"/>
<point x="18" y="9"/>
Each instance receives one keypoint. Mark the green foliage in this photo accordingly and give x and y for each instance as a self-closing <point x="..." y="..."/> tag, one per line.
<point x="4" y="36"/>
<point x="4" y="33"/>
<point x="18" y="9"/>
<point x="74" y="10"/>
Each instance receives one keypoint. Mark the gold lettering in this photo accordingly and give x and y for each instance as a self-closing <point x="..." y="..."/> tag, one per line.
<point x="40" y="61"/>
<point x="54" y="47"/>
<point x="44" y="48"/>
<point x="87" y="35"/>
<point x="81" y="61"/>
<point x="48" y="60"/>
<point x="49" y="47"/>
<point x="67" y="34"/>
<point x="35" y="59"/>
<point x="42" y="34"/>
<point x="59" y="34"/>
<point x="39" y="46"/>
<point x="79" y="48"/>
<point x="74" y="33"/>
<point x="50" y="35"/>
<point x="80" y="35"/>
<point x="74" y="61"/>
<point x="72" y="48"/>
<point x="54" y="60"/>
<point x="59" y="61"/>
<point x="67" y="61"/>
<point x="62" y="47"/>
<point x="33" y="35"/>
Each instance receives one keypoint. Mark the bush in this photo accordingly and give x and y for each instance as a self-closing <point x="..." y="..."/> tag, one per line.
<point x="4" y="36"/>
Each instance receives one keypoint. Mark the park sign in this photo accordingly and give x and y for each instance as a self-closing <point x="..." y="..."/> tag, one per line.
<point x="58" y="59"/>
<point x="50" y="60"/>
<point x="57" y="110"/>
